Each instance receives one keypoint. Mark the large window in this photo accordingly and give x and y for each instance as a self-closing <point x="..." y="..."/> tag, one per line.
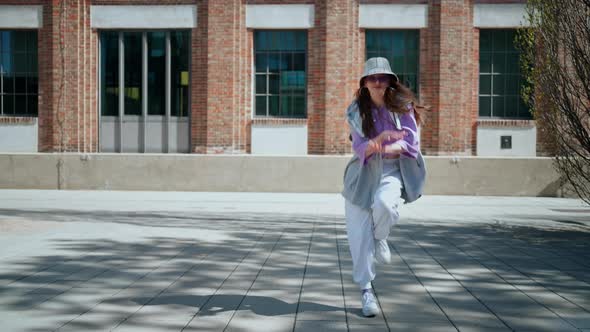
<point x="280" y="70"/>
<point x="166" y="58"/>
<point x="18" y="73"/>
<point x="499" y="76"/>
<point x="401" y="48"/>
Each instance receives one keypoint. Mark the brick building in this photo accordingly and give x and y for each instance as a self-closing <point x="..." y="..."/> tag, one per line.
<point x="253" y="76"/>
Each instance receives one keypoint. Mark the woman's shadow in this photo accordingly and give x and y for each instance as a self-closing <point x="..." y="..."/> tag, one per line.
<point x="261" y="305"/>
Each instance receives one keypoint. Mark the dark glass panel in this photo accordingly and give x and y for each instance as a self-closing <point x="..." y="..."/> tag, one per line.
<point x="485" y="62"/>
<point x="180" y="82"/>
<point x="261" y="62"/>
<point x="498" y="84"/>
<point x="273" y="105"/>
<point x="273" y="84"/>
<point x="8" y="83"/>
<point x="299" y="61"/>
<point x="32" y="104"/>
<point x="133" y="72"/>
<point x="260" y="84"/>
<point x="485" y="84"/>
<point x="156" y="80"/>
<point x="19" y="41"/>
<point x="8" y="107"/>
<point x="109" y="71"/>
<point x="32" y="84"/>
<point x="485" y="107"/>
<point x="260" y="105"/>
<point x="286" y="107"/>
<point x="485" y="41"/>
<point x="274" y="60"/>
<point x="498" y="106"/>
<point x="20" y="83"/>
<point x="499" y="63"/>
<point x="299" y="106"/>
<point x="511" y="107"/>
<point x="20" y="104"/>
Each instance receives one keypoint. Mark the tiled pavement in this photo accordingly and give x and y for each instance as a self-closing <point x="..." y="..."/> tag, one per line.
<point x="160" y="261"/>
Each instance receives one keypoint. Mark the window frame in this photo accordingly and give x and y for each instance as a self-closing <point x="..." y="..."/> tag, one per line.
<point x="489" y="52"/>
<point x="267" y="73"/>
<point x="30" y="53"/>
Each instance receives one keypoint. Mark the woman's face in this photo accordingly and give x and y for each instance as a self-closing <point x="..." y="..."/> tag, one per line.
<point x="377" y="84"/>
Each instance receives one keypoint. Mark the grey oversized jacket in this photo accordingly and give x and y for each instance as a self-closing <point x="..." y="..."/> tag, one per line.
<point x="361" y="181"/>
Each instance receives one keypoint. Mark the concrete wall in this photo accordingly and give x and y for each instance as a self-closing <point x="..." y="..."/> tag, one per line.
<point x="323" y="174"/>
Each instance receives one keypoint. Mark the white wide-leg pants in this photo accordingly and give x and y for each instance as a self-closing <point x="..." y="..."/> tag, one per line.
<point x="365" y="226"/>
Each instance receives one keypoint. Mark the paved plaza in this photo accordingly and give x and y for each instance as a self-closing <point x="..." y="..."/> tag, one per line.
<point x="179" y="261"/>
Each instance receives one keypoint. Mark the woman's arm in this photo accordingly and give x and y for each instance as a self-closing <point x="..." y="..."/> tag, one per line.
<point x="410" y="144"/>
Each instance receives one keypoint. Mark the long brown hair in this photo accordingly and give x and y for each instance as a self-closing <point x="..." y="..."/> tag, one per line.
<point x="397" y="96"/>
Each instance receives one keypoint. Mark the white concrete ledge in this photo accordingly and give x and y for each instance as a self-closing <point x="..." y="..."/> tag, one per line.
<point x="500" y="15"/>
<point x="279" y="16"/>
<point x="248" y="173"/>
<point x="144" y="17"/>
<point x="21" y="17"/>
<point x="393" y="16"/>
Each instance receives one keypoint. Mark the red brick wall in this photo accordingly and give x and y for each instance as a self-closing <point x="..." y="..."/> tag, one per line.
<point x="221" y="74"/>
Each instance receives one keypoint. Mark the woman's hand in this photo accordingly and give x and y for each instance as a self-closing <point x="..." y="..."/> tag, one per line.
<point x="373" y="147"/>
<point x="388" y="135"/>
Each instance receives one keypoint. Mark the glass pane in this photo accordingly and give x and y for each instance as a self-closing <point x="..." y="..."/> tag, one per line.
<point x="32" y="104"/>
<point x="274" y="62"/>
<point x="7" y="60"/>
<point x="511" y="108"/>
<point x="499" y="62"/>
<point x="20" y="83"/>
<point x="411" y="63"/>
<point x="287" y="41"/>
<point x="260" y="84"/>
<point x="397" y="65"/>
<point x="179" y="69"/>
<point x="286" y="109"/>
<point x="299" y="106"/>
<point x="498" y="84"/>
<point x="273" y="41"/>
<point x="498" y="106"/>
<point x="485" y="40"/>
<point x="412" y="40"/>
<point x="485" y="62"/>
<point x="499" y="40"/>
<point x="370" y="41"/>
<point x="299" y="61"/>
<point x="301" y="40"/>
<point x="286" y="61"/>
<point x="261" y="62"/>
<point x="20" y="63"/>
<point x="512" y="65"/>
<point x="399" y="44"/>
<point x="260" y="105"/>
<point x="273" y="84"/>
<point x="273" y="105"/>
<point x="8" y="107"/>
<point x="32" y="42"/>
<point x="260" y="40"/>
<point x="510" y="40"/>
<point x="485" y="84"/>
<point x="19" y="41"/>
<point x="109" y="71"/>
<point x="411" y="81"/>
<point x="32" y="65"/>
<point x="133" y="52"/>
<point x="156" y="79"/>
<point x="8" y="83"/>
<point x="512" y="85"/>
<point x="20" y="104"/>
<point x="32" y="84"/>
<point x="485" y="106"/>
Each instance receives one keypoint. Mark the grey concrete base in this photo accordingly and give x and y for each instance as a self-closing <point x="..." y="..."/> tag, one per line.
<point x="248" y="173"/>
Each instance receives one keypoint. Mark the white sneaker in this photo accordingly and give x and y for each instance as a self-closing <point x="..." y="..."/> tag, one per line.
<point x="382" y="253"/>
<point x="370" y="307"/>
